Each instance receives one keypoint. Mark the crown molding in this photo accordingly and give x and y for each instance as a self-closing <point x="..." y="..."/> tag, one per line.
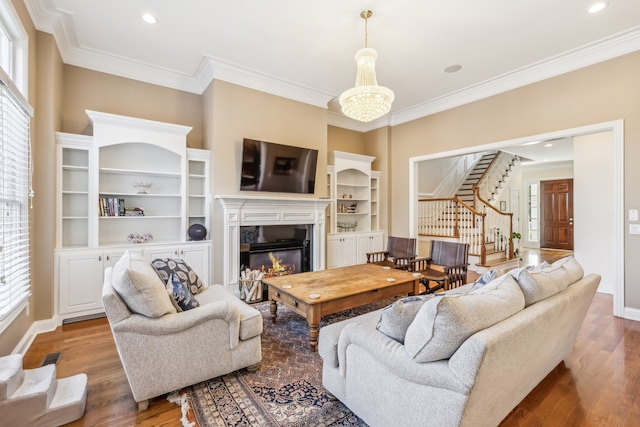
<point x="215" y="68"/>
<point x="590" y="54"/>
<point x="46" y="18"/>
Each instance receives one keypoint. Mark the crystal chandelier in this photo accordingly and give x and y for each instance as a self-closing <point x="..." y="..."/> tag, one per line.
<point x="366" y="101"/>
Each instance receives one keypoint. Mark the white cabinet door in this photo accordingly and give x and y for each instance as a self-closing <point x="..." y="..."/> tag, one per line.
<point x="195" y="255"/>
<point x="341" y="250"/>
<point x="80" y="282"/>
<point x="80" y="279"/>
<point x="368" y="242"/>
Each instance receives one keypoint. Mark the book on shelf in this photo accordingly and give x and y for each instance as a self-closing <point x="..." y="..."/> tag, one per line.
<point x="133" y="211"/>
<point x="111" y="206"/>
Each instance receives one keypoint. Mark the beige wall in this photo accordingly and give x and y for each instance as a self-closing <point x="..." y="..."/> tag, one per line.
<point x="91" y="90"/>
<point x="599" y="93"/>
<point x="349" y="141"/>
<point x="237" y="112"/>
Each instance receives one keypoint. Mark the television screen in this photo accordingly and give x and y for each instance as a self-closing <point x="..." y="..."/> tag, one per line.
<point x="267" y="166"/>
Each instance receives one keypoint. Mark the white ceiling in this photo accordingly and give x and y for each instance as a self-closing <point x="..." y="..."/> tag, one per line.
<point x="304" y="50"/>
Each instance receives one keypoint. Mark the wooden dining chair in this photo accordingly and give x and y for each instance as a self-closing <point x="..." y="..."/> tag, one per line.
<point x="446" y="266"/>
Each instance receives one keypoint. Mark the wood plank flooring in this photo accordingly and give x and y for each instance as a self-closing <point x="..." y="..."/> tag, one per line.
<point x="598" y="384"/>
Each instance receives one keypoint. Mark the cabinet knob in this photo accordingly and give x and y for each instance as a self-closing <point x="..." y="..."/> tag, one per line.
<point x="99" y="257"/>
<point x="295" y="303"/>
<point x="108" y="258"/>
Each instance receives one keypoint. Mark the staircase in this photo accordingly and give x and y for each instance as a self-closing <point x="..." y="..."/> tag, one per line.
<point x="465" y="192"/>
<point x="36" y="398"/>
<point x="471" y="217"/>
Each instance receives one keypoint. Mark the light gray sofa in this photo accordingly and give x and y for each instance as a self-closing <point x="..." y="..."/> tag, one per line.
<point x="164" y="350"/>
<point x="482" y="379"/>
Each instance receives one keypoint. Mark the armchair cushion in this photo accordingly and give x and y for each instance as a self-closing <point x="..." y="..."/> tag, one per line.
<point x="167" y="266"/>
<point x="140" y="287"/>
<point x="443" y="324"/>
<point x="181" y="296"/>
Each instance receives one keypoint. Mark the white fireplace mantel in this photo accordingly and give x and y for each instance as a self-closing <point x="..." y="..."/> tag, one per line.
<point x="255" y="211"/>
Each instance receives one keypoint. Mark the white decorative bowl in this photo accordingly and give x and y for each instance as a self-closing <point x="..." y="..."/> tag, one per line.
<point x="142" y="187"/>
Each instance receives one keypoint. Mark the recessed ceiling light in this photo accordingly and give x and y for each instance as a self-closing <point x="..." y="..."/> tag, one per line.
<point x="452" y="68"/>
<point x="548" y="145"/>
<point x="597" y="7"/>
<point x="149" y="18"/>
<point x="532" y="143"/>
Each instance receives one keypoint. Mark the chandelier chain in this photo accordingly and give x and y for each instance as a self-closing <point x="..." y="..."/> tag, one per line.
<point x="366" y="14"/>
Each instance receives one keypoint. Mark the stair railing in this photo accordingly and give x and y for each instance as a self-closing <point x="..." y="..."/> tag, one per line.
<point x="499" y="225"/>
<point x="490" y="180"/>
<point x="453" y="218"/>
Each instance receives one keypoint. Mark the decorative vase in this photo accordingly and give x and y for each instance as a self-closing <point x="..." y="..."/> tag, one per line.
<point x="197" y="232"/>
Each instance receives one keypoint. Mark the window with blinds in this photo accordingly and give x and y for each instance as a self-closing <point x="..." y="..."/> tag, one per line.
<point x="15" y="192"/>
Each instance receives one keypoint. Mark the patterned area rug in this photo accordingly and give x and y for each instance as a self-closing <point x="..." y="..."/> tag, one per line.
<point x="286" y="390"/>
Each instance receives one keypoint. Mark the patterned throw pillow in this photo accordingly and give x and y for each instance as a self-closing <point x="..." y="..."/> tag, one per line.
<point x="181" y="297"/>
<point x="166" y="266"/>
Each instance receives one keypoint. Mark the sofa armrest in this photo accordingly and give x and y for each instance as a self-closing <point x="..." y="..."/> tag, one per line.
<point x="176" y="323"/>
<point x="393" y="356"/>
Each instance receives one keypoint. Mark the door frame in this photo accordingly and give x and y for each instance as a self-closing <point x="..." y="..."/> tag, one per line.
<point x="616" y="127"/>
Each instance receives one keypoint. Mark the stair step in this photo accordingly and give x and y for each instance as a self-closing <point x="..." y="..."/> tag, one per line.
<point x="11" y="375"/>
<point x="38" y="380"/>
<point x="68" y="403"/>
<point x="37" y="398"/>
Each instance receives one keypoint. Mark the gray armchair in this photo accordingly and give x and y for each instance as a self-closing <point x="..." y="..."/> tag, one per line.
<point x="165" y="353"/>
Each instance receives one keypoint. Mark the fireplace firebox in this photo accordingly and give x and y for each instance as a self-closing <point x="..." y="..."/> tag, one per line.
<point x="276" y="258"/>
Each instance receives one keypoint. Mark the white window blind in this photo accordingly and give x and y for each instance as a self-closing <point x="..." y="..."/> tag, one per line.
<point x="15" y="192"/>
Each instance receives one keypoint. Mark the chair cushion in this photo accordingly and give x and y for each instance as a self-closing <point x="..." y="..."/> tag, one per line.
<point x="181" y="296"/>
<point x="139" y="286"/>
<point x="250" y="318"/>
<point x="396" y="317"/>
<point x="166" y="266"/>
<point x="443" y="324"/>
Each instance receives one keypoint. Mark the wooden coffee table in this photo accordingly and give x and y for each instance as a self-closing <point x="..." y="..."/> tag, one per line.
<point x="319" y="293"/>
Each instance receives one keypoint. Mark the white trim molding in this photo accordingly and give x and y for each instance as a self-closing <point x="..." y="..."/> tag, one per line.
<point x="255" y="211"/>
<point x="616" y="127"/>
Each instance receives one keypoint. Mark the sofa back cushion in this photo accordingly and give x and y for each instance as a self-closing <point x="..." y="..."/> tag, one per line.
<point x="396" y="318"/>
<point x="139" y="286"/>
<point x="443" y="324"/>
<point x="540" y="283"/>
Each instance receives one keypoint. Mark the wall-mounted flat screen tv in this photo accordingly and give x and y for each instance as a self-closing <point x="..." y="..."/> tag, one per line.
<point x="267" y="166"/>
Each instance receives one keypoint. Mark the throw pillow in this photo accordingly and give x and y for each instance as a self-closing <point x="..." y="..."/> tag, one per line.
<point x="572" y="267"/>
<point x="166" y="266"/>
<point x="541" y="285"/>
<point x="396" y="317"/>
<point x="181" y="297"/>
<point x="487" y="277"/>
<point x="443" y="324"/>
<point x="140" y="287"/>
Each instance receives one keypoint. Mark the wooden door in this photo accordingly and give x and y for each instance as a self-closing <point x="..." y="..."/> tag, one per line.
<point x="556" y="207"/>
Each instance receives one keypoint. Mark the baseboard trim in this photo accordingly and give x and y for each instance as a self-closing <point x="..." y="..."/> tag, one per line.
<point x="631" y="313"/>
<point x="38" y="327"/>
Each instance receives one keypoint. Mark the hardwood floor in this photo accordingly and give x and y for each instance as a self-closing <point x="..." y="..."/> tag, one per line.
<point x="597" y="385"/>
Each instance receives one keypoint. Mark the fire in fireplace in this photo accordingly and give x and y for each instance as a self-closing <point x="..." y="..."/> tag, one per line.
<point x="276" y="258"/>
<point x="276" y="263"/>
